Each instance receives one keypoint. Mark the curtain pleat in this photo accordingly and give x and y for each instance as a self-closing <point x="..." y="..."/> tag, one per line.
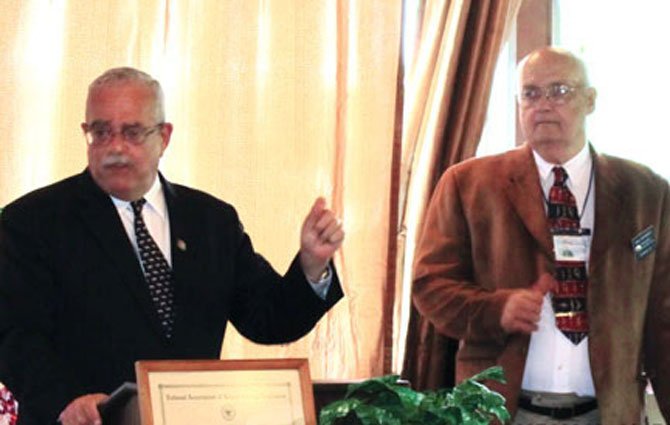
<point x="449" y="124"/>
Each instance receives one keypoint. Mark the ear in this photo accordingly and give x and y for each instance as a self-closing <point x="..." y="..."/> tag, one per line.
<point x="591" y="95"/>
<point x="166" y="133"/>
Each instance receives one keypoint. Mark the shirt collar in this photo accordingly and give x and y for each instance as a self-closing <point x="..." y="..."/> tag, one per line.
<point x="154" y="197"/>
<point x="576" y="166"/>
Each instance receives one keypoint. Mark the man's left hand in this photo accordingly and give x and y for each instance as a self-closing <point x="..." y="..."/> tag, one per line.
<point x="321" y="236"/>
<point x="83" y="410"/>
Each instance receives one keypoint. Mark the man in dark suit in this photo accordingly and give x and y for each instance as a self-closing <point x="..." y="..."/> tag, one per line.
<point x="117" y="264"/>
<point x="570" y="293"/>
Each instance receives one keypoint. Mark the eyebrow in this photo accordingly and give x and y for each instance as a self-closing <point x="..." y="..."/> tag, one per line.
<point x="568" y="82"/>
<point x="99" y="123"/>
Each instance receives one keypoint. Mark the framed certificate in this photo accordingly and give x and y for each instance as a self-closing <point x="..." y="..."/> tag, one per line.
<point x="225" y="392"/>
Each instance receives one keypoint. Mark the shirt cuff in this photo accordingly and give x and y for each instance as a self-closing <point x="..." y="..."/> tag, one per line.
<point x="321" y="287"/>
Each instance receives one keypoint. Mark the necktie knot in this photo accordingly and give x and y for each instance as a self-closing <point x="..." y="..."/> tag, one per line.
<point x="138" y="205"/>
<point x="560" y="176"/>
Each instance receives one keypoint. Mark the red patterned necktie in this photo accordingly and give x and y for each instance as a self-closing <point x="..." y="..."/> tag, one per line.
<point x="157" y="271"/>
<point x="569" y="297"/>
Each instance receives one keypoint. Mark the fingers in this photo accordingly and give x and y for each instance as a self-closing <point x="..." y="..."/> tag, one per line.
<point x="323" y="224"/>
<point x="525" y="318"/>
<point x="329" y="227"/>
<point x="322" y="234"/>
<point x="520" y="325"/>
<point x="522" y="311"/>
<point x="83" y="410"/>
<point x="338" y="235"/>
<point x="314" y="212"/>
<point x="544" y="284"/>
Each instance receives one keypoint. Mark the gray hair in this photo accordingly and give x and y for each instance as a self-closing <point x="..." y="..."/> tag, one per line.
<point x="127" y="74"/>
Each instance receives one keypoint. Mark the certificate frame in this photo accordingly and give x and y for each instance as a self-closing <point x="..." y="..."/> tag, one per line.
<point x="281" y="388"/>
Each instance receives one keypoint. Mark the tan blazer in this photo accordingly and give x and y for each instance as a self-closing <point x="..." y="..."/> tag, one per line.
<point x="486" y="233"/>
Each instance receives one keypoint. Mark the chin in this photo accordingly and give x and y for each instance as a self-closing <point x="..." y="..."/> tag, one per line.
<point x="122" y="192"/>
<point x="546" y="140"/>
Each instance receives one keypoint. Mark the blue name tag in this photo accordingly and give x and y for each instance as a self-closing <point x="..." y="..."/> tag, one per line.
<point x="644" y="243"/>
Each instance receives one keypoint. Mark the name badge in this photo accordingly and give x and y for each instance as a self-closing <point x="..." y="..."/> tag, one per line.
<point x="644" y="243"/>
<point x="572" y="247"/>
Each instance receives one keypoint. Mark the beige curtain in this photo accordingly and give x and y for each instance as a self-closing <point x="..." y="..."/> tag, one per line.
<point x="274" y="103"/>
<point x="446" y="96"/>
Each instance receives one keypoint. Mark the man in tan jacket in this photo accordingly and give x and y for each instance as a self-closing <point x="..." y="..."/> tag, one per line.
<point x="578" y="344"/>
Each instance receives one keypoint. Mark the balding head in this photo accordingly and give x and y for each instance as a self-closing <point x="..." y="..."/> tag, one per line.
<point x="554" y="100"/>
<point x="547" y="57"/>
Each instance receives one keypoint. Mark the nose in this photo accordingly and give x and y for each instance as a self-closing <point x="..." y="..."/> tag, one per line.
<point x="544" y="103"/>
<point x="116" y="142"/>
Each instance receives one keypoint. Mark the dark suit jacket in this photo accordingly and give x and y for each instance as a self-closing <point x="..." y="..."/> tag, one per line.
<point x="486" y="234"/>
<point x="75" y="311"/>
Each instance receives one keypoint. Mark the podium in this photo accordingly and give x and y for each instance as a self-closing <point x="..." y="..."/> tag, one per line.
<point x="123" y="406"/>
<point x="128" y="414"/>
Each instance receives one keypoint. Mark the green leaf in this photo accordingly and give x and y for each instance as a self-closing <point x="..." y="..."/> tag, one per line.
<point x="373" y="415"/>
<point x="494" y="373"/>
<point x="382" y="401"/>
<point x="409" y="397"/>
<point x="501" y="413"/>
<point x="372" y="385"/>
<point x="337" y="409"/>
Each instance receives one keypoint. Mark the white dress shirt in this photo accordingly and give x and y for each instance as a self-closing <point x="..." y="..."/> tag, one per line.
<point x="157" y="220"/>
<point x="554" y="364"/>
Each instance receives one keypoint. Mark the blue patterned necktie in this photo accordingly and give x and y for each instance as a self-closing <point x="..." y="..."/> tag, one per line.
<point x="157" y="271"/>
<point x="569" y="297"/>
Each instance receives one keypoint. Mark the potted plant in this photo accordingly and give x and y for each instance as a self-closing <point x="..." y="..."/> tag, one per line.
<point x="382" y="401"/>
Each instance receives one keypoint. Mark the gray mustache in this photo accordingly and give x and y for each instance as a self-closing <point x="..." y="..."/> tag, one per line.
<point x="115" y="160"/>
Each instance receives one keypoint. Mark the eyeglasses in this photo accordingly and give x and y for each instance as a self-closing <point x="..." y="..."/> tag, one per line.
<point x="100" y="134"/>
<point x="557" y="93"/>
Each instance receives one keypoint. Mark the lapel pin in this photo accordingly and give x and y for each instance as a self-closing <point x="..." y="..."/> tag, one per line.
<point x="181" y="245"/>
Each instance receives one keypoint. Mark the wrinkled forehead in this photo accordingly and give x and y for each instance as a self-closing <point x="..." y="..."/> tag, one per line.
<point x="122" y="88"/>
<point x="116" y="99"/>
<point x="550" y="68"/>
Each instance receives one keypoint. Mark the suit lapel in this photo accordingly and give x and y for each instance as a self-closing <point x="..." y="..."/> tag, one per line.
<point x="607" y="220"/>
<point x="181" y="240"/>
<point x="525" y="195"/>
<point x="99" y="215"/>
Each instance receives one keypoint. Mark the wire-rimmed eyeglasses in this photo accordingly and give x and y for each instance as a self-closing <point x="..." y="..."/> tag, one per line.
<point x="557" y="93"/>
<point x="99" y="134"/>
